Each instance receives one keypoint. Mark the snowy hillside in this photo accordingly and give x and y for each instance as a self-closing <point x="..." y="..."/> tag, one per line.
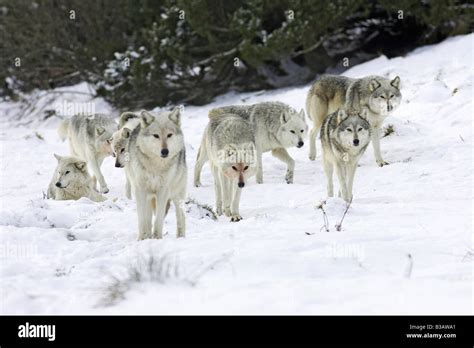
<point x="83" y="257"/>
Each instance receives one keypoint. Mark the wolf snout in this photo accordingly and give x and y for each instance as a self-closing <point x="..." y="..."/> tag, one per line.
<point x="300" y="144"/>
<point x="356" y="142"/>
<point x="118" y="165"/>
<point x="164" y="153"/>
<point x="58" y="184"/>
<point x="241" y="184"/>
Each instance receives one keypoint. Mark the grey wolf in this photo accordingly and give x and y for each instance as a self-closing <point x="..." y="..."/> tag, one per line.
<point x="344" y="139"/>
<point x="229" y="144"/>
<point x="127" y="123"/>
<point x="72" y="181"/>
<point x="157" y="170"/>
<point x="277" y="127"/>
<point x="378" y="95"/>
<point x="90" y="139"/>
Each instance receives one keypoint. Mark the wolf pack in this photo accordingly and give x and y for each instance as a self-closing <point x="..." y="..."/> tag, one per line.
<point x="347" y="113"/>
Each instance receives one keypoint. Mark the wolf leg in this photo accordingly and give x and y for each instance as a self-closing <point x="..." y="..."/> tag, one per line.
<point x="376" y="145"/>
<point x="328" y="170"/>
<point x="162" y="198"/>
<point x="226" y="185"/>
<point x="217" y="189"/>
<point x="180" y="219"/>
<point x="235" y="215"/>
<point x="341" y="175"/>
<point x="144" y="213"/>
<point x="128" y="188"/>
<point x="200" y="160"/>
<point x="95" y="167"/>
<point x="351" y="173"/>
<point x="285" y="157"/>
<point x="318" y="110"/>
<point x="259" y="175"/>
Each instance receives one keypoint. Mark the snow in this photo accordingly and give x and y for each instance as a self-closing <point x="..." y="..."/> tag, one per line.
<point x="61" y="257"/>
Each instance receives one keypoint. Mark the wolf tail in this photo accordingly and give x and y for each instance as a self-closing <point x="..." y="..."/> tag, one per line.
<point x="125" y="117"/>
<point x="201" y="159"/>
<point x="63" y="129"/>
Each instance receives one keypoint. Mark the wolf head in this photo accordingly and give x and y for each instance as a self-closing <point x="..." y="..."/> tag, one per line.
<point x="119" y="146"/>
<point x="293" y="129"/>
<point x="161" y="134"/>
<point x="353" y="129"/>
<point x="70" y="170"/>
<point x="103" y="140"/>
<point x="385" y="95"/>
<point x="238" y="162"/>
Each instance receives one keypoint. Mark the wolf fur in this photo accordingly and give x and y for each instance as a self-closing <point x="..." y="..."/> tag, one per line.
<point x="157" y="170"/>
<point x="378" y="95"/>
<point x="344" y="139"/>
<point x="277" y="127"/>
<point x="90" y="139"/>
<point x="229" y="144"/>
<point x="71" y="181"/>
<point x="127" y="123"/>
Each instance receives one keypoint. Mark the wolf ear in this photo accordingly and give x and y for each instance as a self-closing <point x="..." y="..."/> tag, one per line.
<point x="57" y="157"/>
<point x="175" y="115"/>
<point x="230" y="150"/>
<point x="374" y="84"/>
<point x="301" y="114"/>
<point x="126" y="132"/>
<point x="100" y="130"/>
<point x="81" y="165"/>
<point x="146" y="118"/>
<point x="396" y="82"/>
<point x="341" y="115"/>
<point x="364" y="114"/>
<point x="284" y="117"/>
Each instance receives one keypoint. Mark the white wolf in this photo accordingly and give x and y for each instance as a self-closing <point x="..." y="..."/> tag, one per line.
<point x="157" y="170"/>
<point x="90" y="139"/>
<point x="127" y="123"/>
<point x="277" y="127"/>
<point x="344" y="139"/>
<point x="72" y="181"/>
<point x="229" y="143"/>
<point x="378" y="95"/>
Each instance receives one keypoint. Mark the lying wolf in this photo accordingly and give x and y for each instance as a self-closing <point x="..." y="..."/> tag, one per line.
<point x="378" y="95"/>
<point x="157" y="170"/>
<point x="90" y="139"/>
<point x="277" y="127"/>
<point x="344" y="139"/>
<point x="229" y="144"/>
<point x="72" y="181"/>
<point x="127" y="123"/>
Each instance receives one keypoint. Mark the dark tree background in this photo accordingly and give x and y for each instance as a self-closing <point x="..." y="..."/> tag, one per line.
<point x="148" y="53"/>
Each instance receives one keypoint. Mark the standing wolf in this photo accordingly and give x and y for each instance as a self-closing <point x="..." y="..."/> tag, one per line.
<point x="127" y="123"/>
<point x="378" y="95"/>
<point x="277" y="126"/>
<point x="344" y="139"/>
<point x="229" y="144"/>
<point x="90" y="139"/>
<point x="157" y="170"/>
<point x="72" y="181"/>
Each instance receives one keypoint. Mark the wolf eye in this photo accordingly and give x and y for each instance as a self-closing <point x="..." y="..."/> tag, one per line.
<point x="360" y="129"/>
<point x="67" y="172"/>
<point x="109" y="141"/>
<point x="246" y="167"/>
<point x="349" y="130"/>
<point x="391" y="96"/>
<point x="156" y="136"/>
<point x="234" y="168"/>
<point x="382" y="97"/>
<point x="302" y="131"/>
<point x="169" y="135"/>
<point x="292" y="131"/>
<point x="122" y="151"/>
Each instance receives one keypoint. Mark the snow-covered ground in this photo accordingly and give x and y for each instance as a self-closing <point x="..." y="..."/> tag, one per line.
<point x="79" y="257"/>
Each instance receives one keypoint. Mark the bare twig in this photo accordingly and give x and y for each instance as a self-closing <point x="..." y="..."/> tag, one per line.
<point x="325" y="216"/>
<point x="339" y="225"/>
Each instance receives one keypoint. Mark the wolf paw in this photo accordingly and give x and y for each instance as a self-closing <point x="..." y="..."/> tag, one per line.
<point x="289" y="177"/>
<point x="382" y="163"/>
<point x="312" y="156"/>
<point x="197" y="184"/>
<point x="227" y="212"/>
<point x="259" y="180"/>
<point x="219" y="211"/>
<point x="104" y="189"/>
<point x="235" y="218"/>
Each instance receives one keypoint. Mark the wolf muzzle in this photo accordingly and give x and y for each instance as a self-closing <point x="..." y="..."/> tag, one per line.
<point x="165" y="153"/>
